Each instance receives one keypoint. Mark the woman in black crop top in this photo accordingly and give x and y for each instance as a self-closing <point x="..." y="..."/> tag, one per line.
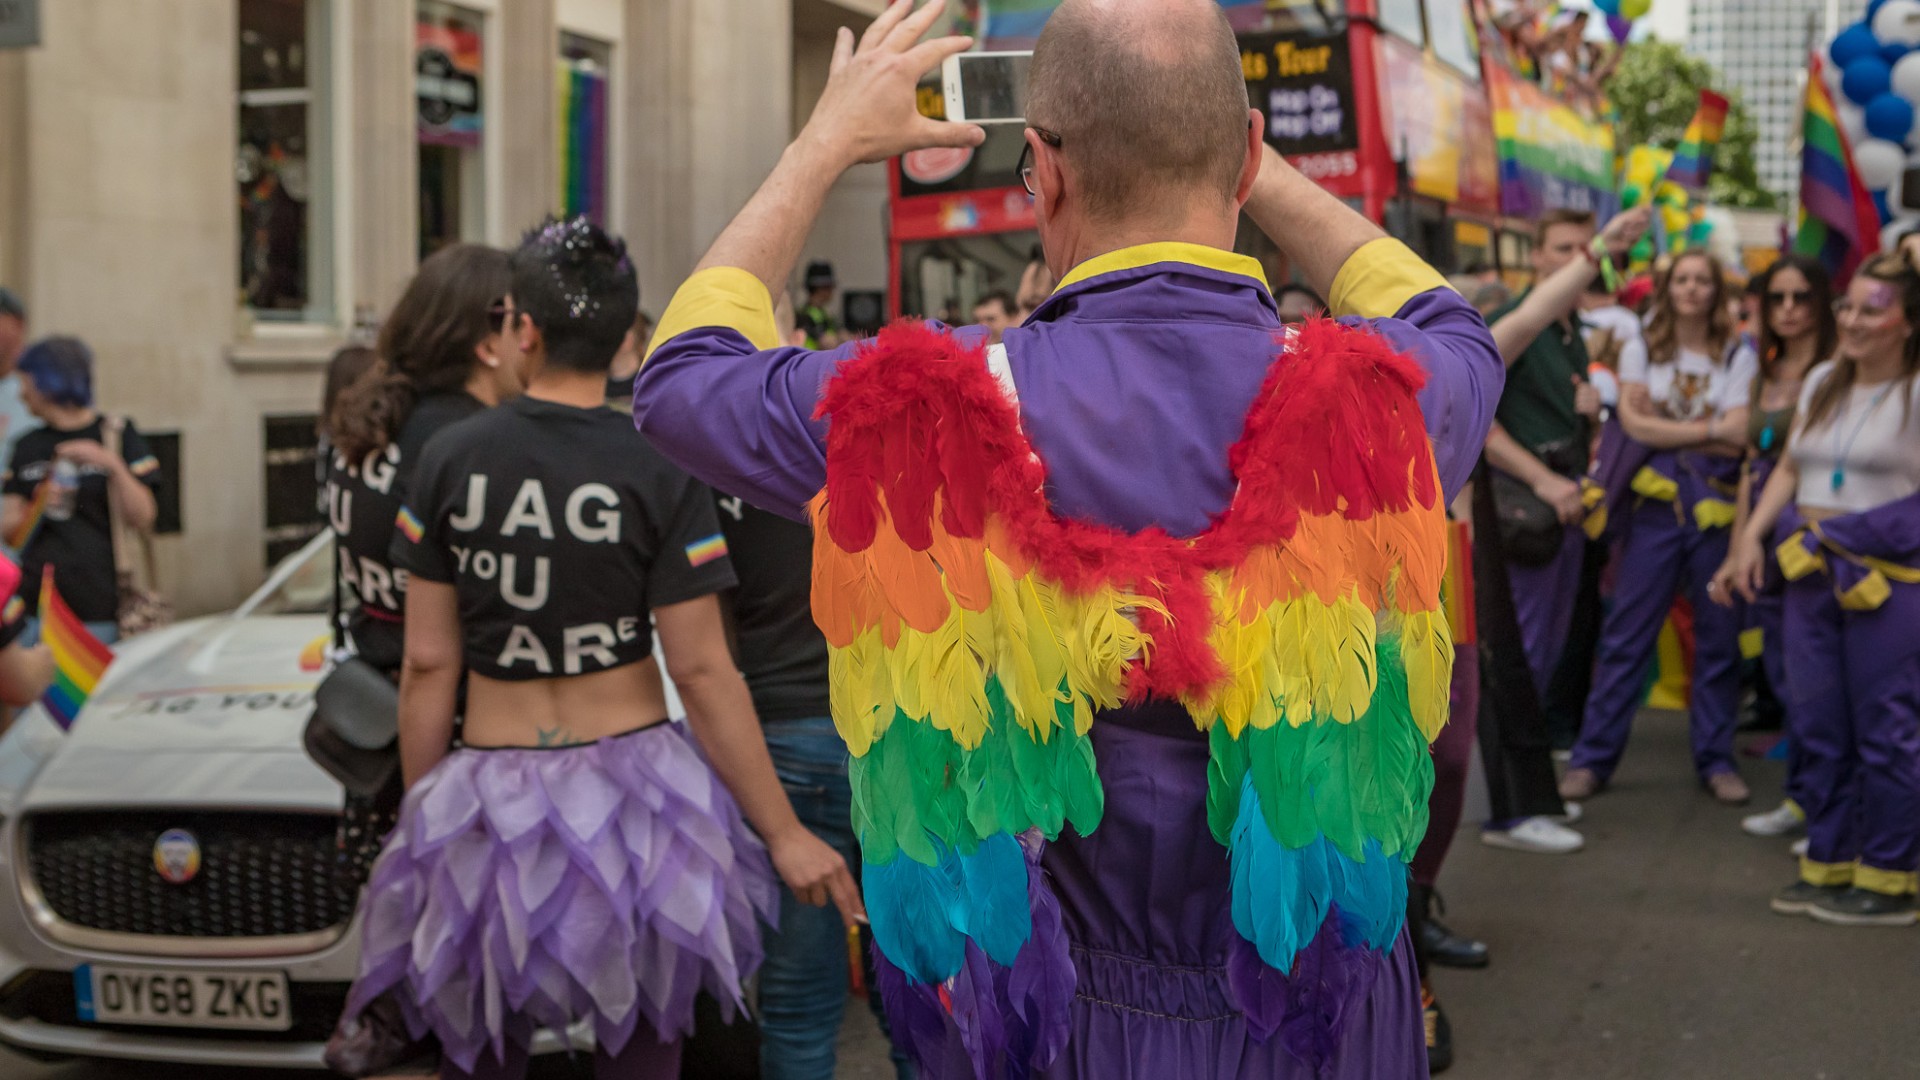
<point x="1797" y="331"/>
<point x="577" y="855"/>
<point x="442" y="356"/>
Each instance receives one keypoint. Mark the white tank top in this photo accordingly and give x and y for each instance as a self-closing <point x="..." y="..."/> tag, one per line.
<point x="1866" y="453"/>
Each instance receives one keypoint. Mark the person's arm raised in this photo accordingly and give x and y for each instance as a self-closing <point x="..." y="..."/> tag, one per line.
<point x="1318" y="232"/>
<point x="866" y="113"/>
<point x="1558" y="294"/>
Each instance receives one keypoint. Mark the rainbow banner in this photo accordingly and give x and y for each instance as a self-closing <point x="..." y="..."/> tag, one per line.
<point x="79" y="659"/>
<point x="580" y="112"/>
<point x="1839" y="224"/>
<point x="36" y="510"/>
<point x="1693" y="158"/>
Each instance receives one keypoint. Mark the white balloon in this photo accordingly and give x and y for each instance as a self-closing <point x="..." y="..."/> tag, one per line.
<point x="1906" y="77"/>
<point x="1853" y="121"/>
<point x="1880" y="163"/>
<point x="1898" y="21"/>
<point x="1890" y="233"/>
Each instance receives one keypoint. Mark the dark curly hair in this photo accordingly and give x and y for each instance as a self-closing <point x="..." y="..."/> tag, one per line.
<point x="426" y="345"/>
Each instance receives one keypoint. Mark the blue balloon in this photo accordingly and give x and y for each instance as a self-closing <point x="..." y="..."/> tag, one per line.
<point x="1854" y="42"/>
<point x="1866" y="78"/>
<point x="1608" y="7"/>
<point x="1883" y="206"/>
<point x="1890" y="117"/>
<point x="1893" y="51"/>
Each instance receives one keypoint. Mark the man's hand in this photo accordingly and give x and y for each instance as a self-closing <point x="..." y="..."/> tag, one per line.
<point x="867" y="112"/>
<point x="1563" y="495"/>
<point x="1586" y="398"/>
<point x="85" y="452"/>
<point x="1626" y="229"/>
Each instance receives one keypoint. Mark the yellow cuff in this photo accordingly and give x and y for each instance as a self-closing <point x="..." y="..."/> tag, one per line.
<point x="1886" y="882"/>
<point x="1594" y="498"/>
<point x="1796" y="561"/>
<point x="1377" y="281"/>
<point x="1825" y="874"/>
<point x="1654" y="485"/>
<point x="1713" y="514"/>
<point x="1868" y="593"/>
<point x="724" y="296"/>
<point x="1753" y="643"/>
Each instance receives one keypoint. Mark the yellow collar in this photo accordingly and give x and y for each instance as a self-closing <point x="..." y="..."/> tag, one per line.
<point x="1170" y="251"/>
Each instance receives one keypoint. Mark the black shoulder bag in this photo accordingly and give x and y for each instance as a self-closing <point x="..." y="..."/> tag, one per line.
<point x="354" y="732"/>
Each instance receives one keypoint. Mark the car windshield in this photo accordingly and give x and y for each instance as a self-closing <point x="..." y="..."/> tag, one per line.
<point x="300" y="584"/>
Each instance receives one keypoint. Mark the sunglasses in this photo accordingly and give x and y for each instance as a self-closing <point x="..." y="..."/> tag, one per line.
<point x="497" y="314"/>
<point x="1796" y="297"/>
<point x="1024" y="170"/>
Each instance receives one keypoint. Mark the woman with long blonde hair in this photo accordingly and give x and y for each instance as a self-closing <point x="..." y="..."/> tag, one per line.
<point x="1847" y="496"/>
<point x="1684" y="392"/>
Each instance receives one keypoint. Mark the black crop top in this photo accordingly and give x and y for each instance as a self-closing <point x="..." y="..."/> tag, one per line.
<point x="362" y="499"/>
<point x="561" y="528"/>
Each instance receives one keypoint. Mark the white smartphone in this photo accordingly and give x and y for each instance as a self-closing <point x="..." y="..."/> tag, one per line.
<point x="986" y="87"/>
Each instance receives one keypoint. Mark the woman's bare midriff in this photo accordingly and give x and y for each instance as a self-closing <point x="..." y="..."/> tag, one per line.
<point x="565" y="711"/>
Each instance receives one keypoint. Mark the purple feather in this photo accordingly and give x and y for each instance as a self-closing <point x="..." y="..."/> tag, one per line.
<point x="1259" y="990"/>
<point x="914" y="1013"/>
<point x="1328" y="978"/>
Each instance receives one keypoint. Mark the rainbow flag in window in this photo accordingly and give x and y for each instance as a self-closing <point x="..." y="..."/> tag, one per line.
<point x="79" y="659"/>
<point x="1693" y="158"/>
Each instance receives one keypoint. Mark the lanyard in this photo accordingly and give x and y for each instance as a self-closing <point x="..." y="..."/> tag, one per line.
<point x="1843" y="452"/>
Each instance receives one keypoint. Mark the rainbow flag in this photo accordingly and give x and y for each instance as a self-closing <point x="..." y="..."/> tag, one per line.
<point x="78" y="657"/>
<point x="1693" y="158"/>
<point x="37" y="509"/>
<point x="1838" y="222"/>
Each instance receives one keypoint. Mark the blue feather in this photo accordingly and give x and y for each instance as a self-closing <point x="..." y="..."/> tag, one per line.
<point x="922" y="915"/>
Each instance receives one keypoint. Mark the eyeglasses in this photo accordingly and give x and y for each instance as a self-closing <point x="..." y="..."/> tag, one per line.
<point x="1796" y="297"/>
<point x="1024" y="170"/>
<point x="498" y="313"/>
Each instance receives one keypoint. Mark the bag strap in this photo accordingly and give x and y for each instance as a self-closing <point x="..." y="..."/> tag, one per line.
<point x="113" y="436"/>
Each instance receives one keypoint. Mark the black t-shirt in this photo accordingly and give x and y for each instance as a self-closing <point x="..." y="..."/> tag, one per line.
<point x="620" y="392"/>
<point x="80" y="548"/>
<point x="782" y="652"/>
<point x="362" y="501"/>
<point x="561" y="529"/>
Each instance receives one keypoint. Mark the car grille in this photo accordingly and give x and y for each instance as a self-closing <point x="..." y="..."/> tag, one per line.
<point x="261" y="875"/>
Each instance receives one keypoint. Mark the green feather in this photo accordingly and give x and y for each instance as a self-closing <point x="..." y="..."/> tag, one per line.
<point x="1226" y="769"/>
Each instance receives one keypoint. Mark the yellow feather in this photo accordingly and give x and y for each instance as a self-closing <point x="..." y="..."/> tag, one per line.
<point x="1426" y="646"/>
<point x="953" y="684"/>
<point x="862" y="704"/>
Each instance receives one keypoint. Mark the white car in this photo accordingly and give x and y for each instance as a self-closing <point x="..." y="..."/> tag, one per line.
<point x="171" y="887"/>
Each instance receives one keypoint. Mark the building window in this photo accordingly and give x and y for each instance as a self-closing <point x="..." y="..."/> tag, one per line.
<point x="581" y="109"/>
<point x="452" y="124"/>
<point x="283" y="163"/>
<point x="165" y="446"/>
<point x="1454" y="40"/>
<point x="288" y="445"/>
<point x="1402" y="17"/>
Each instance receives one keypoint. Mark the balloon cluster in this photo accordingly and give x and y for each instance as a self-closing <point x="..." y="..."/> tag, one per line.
<point x="1644" y="178"/>
<point x="1878" y="61"/>
<point x="1622" y="14"/>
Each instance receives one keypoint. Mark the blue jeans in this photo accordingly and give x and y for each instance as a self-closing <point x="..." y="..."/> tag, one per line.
<point x="803" y="982"/>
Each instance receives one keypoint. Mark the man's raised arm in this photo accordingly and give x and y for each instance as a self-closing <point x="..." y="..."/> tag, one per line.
<point x="1368" y="276"/>
<point x="716" y="393"/>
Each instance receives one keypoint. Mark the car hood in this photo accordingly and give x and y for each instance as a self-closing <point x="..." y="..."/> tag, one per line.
<point x="204" y="712"/>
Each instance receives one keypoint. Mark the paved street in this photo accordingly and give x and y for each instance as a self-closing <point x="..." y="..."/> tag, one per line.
<point x="1651" y="955"/>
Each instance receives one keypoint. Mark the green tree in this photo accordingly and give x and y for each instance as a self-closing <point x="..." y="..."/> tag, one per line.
<point x="1657" y="91"/>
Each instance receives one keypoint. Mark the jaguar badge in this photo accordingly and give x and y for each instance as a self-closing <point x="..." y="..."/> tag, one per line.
<point x="176" y="855"/>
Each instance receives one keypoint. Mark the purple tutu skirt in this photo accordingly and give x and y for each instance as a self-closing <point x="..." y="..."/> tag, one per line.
<point x="526" y="889"/>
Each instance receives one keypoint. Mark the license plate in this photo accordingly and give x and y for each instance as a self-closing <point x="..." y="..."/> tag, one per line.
<point x="237" y="1001"/>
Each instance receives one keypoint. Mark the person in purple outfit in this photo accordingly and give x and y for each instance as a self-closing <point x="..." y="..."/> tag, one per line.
<point x="1133" y="379"/>
<point x="1846" y="499"/>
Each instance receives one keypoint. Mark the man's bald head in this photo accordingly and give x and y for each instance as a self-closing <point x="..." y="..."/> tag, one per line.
<point x="1147" y="97"/>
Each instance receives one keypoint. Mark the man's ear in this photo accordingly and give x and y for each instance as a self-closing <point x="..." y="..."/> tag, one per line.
<point x="1256" y="150"/>
<point x="1049" y="176"/>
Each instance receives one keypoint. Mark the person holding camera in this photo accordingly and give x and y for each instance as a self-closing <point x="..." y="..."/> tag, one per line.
<point x="1020" y="551"/>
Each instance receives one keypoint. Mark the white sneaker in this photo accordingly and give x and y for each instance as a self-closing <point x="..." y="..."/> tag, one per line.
<point x="1799" y="848"/>
<point x="1778" y="821"/>
<point x="1572" y="813"/>
<point x="1542" y="836"/>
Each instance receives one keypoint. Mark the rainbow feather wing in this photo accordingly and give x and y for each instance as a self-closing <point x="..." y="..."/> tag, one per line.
<point x="974" y="635"/>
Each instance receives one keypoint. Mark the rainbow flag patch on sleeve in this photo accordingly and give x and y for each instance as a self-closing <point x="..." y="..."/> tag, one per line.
<point x="702" y="552"/>
<point x="410" y="525"/>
